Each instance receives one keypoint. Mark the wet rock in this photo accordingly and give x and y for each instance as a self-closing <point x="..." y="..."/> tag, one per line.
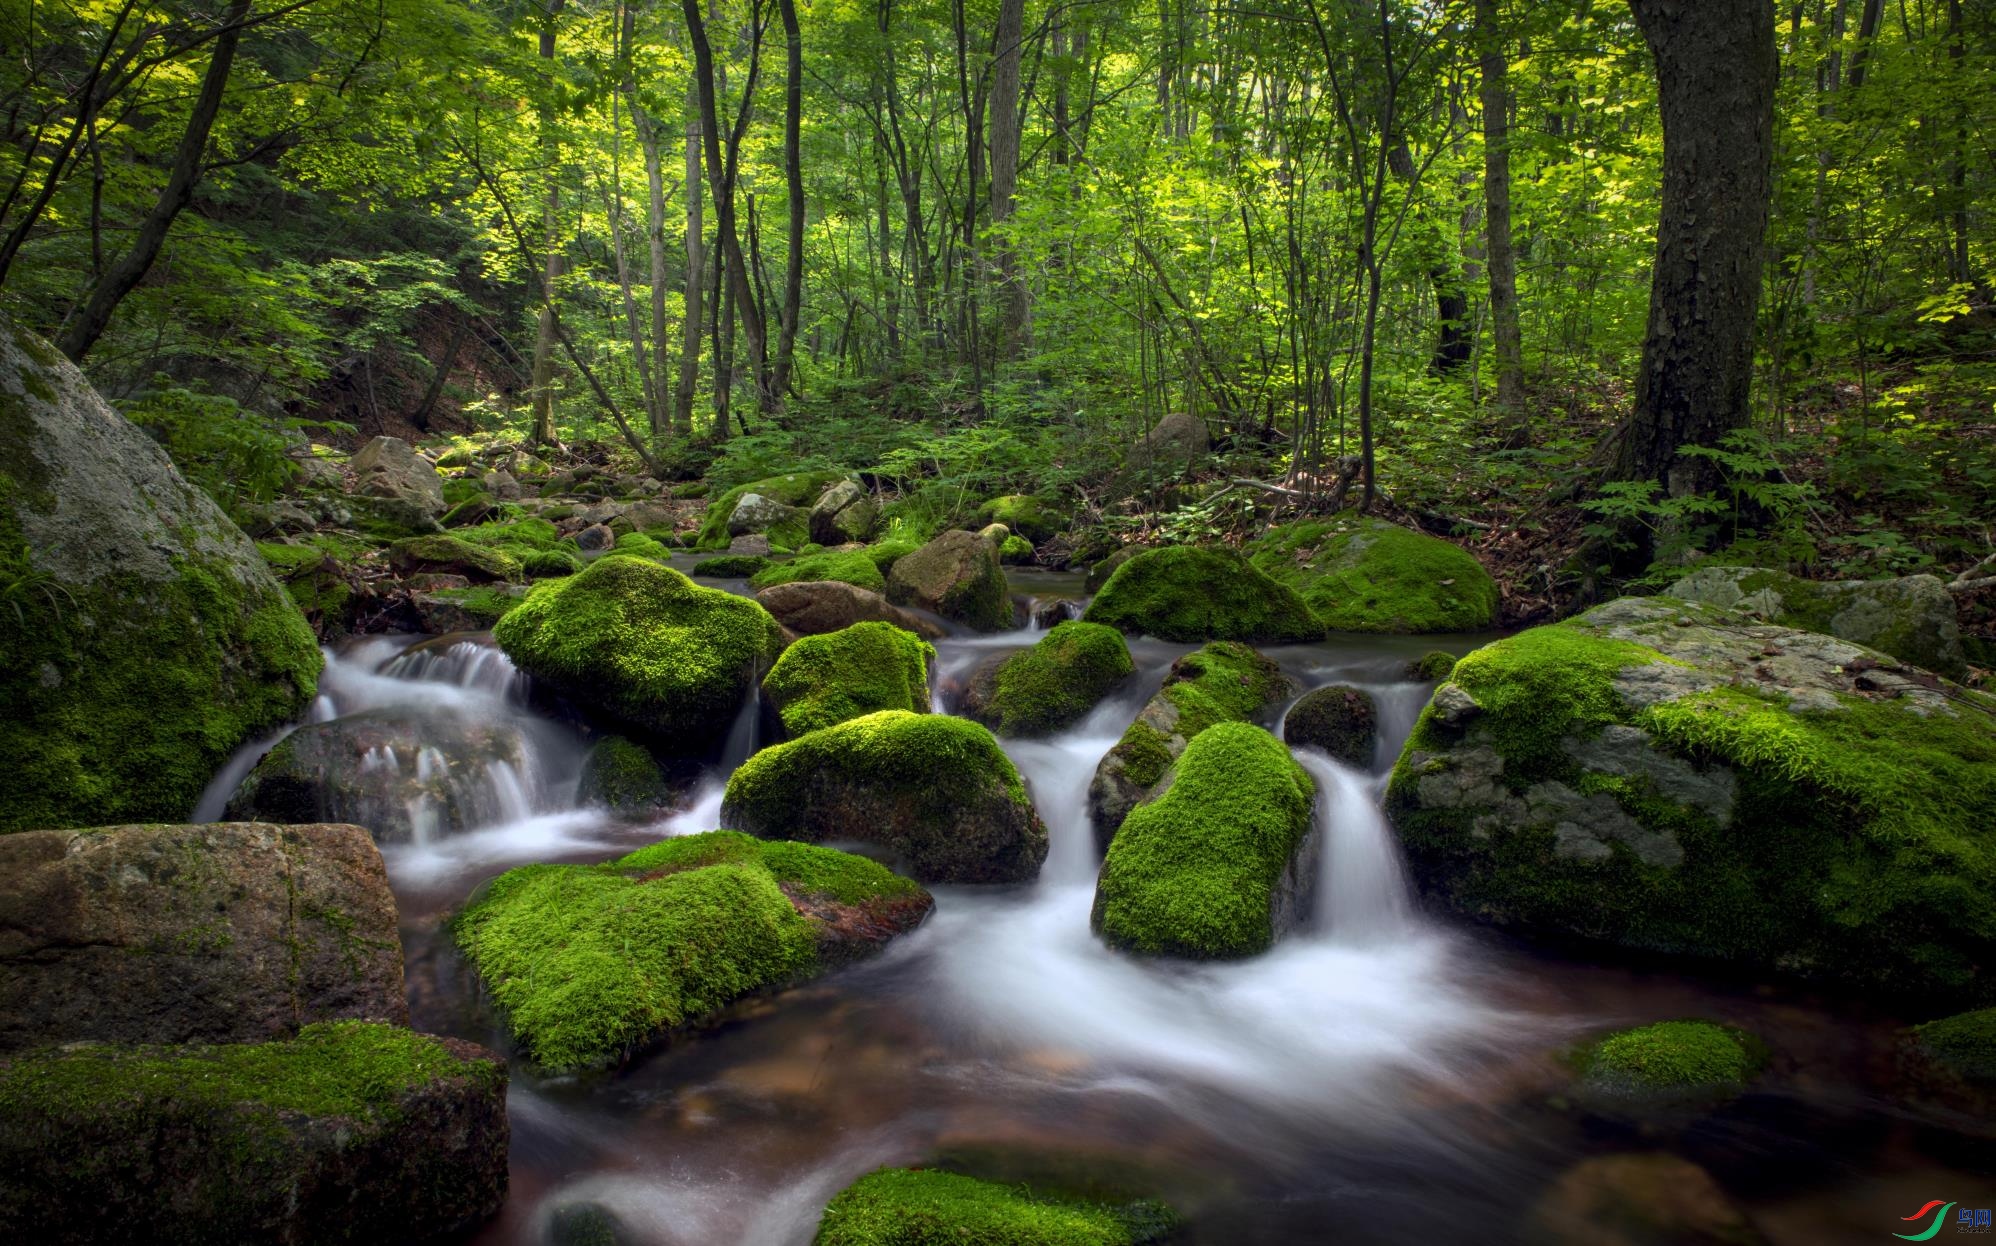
<point x="1038" y="691"/>
<point x="936" y="792"/>
<point x="1912" y="618"/>
<point x="388" y="468"/>
<point x="1223" y="682"/>
<point x="1339" y="720"/>
<point x="1431" y="667"/>
<point x="956" y="576"/>
<point x="595" y="538"/>
<point x="452" y="556"/>
<point x="1187" y="594"/>
<point x="403" y="773"/>
<point x="1222" y="863"/>
<point x="446" y="608"/>
<point x="1647" y="1199"/>
<point x="1048" y="612"/>
<point x="144" y="638"/>
<point x="1360" y="574"/>
<point x="625" y="777"/>
<point x="844" y="512"/>
<point x="587" y="1224"/>
<point x="756" y="546"/>
<point x="1659" y="775"/>
<point x="821" y="681"/>
<point x="1671" y="1071"/>
<point x="348" y="1132"/>
<point x="590" y="963"/>
<point x="214" y="933"/>
<point x="808" y="609"/>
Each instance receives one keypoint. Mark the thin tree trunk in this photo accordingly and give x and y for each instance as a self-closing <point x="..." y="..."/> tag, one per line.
<point x="793" y="176"/>
<point x="1005" y="171"/>
<point x="542" y="433"/>
<point x="633" y="318"/>
<point x="660" y="415"/>
<point x="1507" y="340"/>
<point x="721" y="180"/>
<point x="690" y="333"/>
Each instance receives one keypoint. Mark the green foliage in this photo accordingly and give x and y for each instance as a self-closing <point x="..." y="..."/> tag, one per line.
<point x="235" y="456"/>
<point x="820" y="681"/>
<point x="926" y="1207"/>
<point x="1188" y="594"/>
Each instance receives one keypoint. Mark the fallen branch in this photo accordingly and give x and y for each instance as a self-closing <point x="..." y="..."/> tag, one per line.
<point x="1971" y="586"/>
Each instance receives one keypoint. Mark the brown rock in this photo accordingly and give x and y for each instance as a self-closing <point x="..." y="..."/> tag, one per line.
<point x="957" y="576"/>
<point x="231" y="932"/>
<point x="810" y="609"/>
<point x="1640" y="1200"/>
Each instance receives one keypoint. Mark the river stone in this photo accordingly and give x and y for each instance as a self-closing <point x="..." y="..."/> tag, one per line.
<point x="144" y="637"/>
<point x="1912" y="618"/>
<point x="755" y="513"/>
<point x="500" y="484"/>
<point x="1642" y="1199"/>
<point x="1191" y="593"/>
<point x="1360" y="573"/>
<point x="1339" y="720"/>
<point x="810" y="608"/>
<point x="844" y="512"/>
<point x="956" y="576"/>
<point x="594" y="538"/>
<point x="228" y="932"/>
<point x="350" y="1132"/>
<point x="387" y="467"/>
<point x="1661" y="776"/>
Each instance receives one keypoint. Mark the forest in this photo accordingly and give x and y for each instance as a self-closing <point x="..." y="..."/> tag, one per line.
<point x="1032" y="622"/>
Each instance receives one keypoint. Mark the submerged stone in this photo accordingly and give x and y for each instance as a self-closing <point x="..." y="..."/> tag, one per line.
<point x="1666" y="1067"/>
<point x="1643" y="1199"/>
<point x="1341" y="721"/>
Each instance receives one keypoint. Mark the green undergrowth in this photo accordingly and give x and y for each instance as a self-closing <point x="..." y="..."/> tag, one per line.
<point x="820" y="681"/>
<point x="1186" y="594"/>
<point x="1040" y="690"/>
<point x="927" y="1207"/>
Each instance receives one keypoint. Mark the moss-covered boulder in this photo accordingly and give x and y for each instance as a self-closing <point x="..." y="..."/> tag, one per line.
<point x="731" y="566"/>
<point x="854" y="567"/>
<point x="213" y="933"/>
<point x="794" y="489"/>
<point x="844" y="512"/>
<point x="1220" y="864"/>
<point x="589" y="963"/>
<point x="1033" y="518"/>
<point x="821" y="681"/>
<point x="1038" y="691"/>
<point x="643" y="646"/>
<point x="1431" y="667"/>
<point x="535" y="543"/>
<point x="1339" y="720"/>
<point x="449" y="555"/>
<point x="1361" y="574"/>
<point x="936" y="792"/>
<point x="1099" y="573"/>
<point x="349" y="1132"/>
<point x="956" y="576"/>
<point x="1912" y="618"/>
<point x="929" y="1207"/>
<point x="320" y="576"/>
<point x="1223" y="682"/>
<point x="1190" y="593"/>
<point x="1668" y="1065"/>
<point x="813" y="607"/>
<point x="142" y="637"/>
<point x="1951" y="1063"/>
<point x="470" y="608"/>
<point x="1660" y="776"/>
<point x="625" y="777"/>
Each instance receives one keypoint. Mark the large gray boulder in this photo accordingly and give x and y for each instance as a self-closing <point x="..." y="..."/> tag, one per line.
<point x="388" y="468"/>
<point x="844" y="512"/>
<point x="143" y="638"/>
<point x="227" y="932"/>
<point x="1912" y="618"/>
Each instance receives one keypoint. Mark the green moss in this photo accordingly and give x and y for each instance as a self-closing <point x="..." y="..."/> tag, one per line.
<point x="1222" y="682"/>
<point x="468" y="508"/>
<point x="851" y="567"/>
<point x="547" y="563"/>
<point x="1190" y="593"/>
<point x="1340" y="720"/>
<point x="638" y="545"/>
<point x="1965" y="1044"/>
<point x="1040" y="690"/>
<point x="1432" y="667"/>
<point x="1367" y="575"/>
<point x="314" y="579"/>
<point x="1016" y="549"/>
<point x="1196" y="872"/>
<point x="1146" y="754"/>
<point x="1670" y="1056"/>
<point x="644" y="645"/>
<point x="485" y="603"/>
<point x="1033" y="518"/>
<point x="823" y="680"/>
<point x="793" y="489"/>
<point x="590" y="962"/>
<point x="730" y="566"/>
<point x="453" y="554"/>
<point x="918" y="1207"/>
<point x="623" y="775"/>
<point x="886" y="553"/>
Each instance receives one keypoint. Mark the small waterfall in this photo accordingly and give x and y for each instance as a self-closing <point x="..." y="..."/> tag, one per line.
<point x="468" y="664"/>
<point x="743" y="735"/>
<point x="1362" y="890"/>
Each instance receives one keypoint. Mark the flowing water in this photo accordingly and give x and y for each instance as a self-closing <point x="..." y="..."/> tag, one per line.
<point x="1380" y="1076"/>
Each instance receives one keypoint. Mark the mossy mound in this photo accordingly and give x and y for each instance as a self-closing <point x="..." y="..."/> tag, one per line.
<point x="1367" y="575"/>
<point x="622" y="775"/>
<point x="638" y="545"/>
<point x="1670" y="1063"/>
<point x="643" y="645"/>
<point x="1964" y="1044"/>
<point x="319" y="576"/>
<point x="1033" y="518"/>
<point x="1016" y="550"/>
<point x="1431" y="667"/>
<point x="798" y="489"/>
<point x="936" y="792"/>
<point x="1099" y="573"/>
<point x="142" y="639"/>
<point x="1912" y="618"/>
<point x="855" y="567"/>
<point x="1223" y="682"/>
<point x="1038" y="691"/>
<point x="1188" y="593"/>
<point x="535" y="543"/>
<point x="1658" y="776"/>
<point x="352" y="1131"/>
<point x="1341" y="721"/>
<point x="821" y="681"/>
<point x="450" y="555"/>
<point x="927" y="1207"/>
<point x="591" y="962"/>
<point x="1220" y="864"/>
<point x="731" y="566"/>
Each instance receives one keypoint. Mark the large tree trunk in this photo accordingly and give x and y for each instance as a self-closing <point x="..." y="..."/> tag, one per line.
<point x="89" y="324"/>
<point x="1716" y="68"/>
<point x="543" y="433"/>
<point x="689" y="347"/>
<point x="1507" y="341"/>
<point x="1005" y="170"/>
<point x="793" y="177"/>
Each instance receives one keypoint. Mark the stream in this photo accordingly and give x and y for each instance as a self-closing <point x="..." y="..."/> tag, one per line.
<point x="1382" y="1076"/>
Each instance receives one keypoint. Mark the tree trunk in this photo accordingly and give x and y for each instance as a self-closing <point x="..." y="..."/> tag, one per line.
<point x="793" y="177"/>
<point x="1005" y="170"/>
<point x="661" y="334"/>
<point x="696" y="264"/>
<point x="124" y="276"/>
<point x="721" y="180"/>
<point x="1716" y="68"/>
<point x="633" y="319"/>
<point x="542" y="433"/>
<point x="1501" y="259"/>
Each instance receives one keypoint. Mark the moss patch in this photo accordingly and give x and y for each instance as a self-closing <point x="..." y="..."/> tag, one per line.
<point x="590" y="962"/>
<point x="1040" y="690"/>
<point x="623" y="775"/>
<point x="1964" y="1045"/>
<point x="1033" y="518"/>
<point x="486" y="604"/>
<point x="855" y="567"/>
<point x="821" y="681"/>
<point x="1197" y="872"/>
<point x="1672" y="1056"/>
<point x="731" y="566"/>
<point x="1188" y="594"/>
<point x="453" y="555"/>
<point x="925" y="1207"/>
<point x="1367" y="575"/>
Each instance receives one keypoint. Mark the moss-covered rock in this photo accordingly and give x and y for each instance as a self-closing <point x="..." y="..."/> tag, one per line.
<point x="1038" y="691"/>
<point x="936" y="792"/>
<point x="638" y="545"/>
<point x="1342" y="721"/>
<point x="1638" y="1199"/>
<point x="928" y="1207"/>
<point x="142" y="637"/>
<point x="589" y="963"/>
<point x="319" y="575"/>
<point x="1431" y="667"/>
<point x="795" y="489"/>
<point x="956" y="576"/>
<point x="1659" y="776"/>
<point x="1220" y="864"/>
<point x="349" y="1132"/>
<point x="1965" y="1045"/>
<point x="642" y="645"/>
<point x="1033" y="518"/>
<point x="1911" y="618"/>
<point x="534" y="543"/>
<point x="1669" y="1063"/>
<point x="821" y="681"/>
<point x="1015" y="550"/>
<point x="855" y="567"/>
<point x="473" y="608"/>
<point x="1188" y="593"/>
<point x="844" y="512"/>
<point x="450" y="555"/>
<point x="731" y="566"/>
<point x="623" y="776"/>
<point x="1361" y="574"/>
<point x="1223" y="682"/>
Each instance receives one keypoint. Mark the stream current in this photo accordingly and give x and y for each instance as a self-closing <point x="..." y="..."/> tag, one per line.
<point x="1382" y="1075"/>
